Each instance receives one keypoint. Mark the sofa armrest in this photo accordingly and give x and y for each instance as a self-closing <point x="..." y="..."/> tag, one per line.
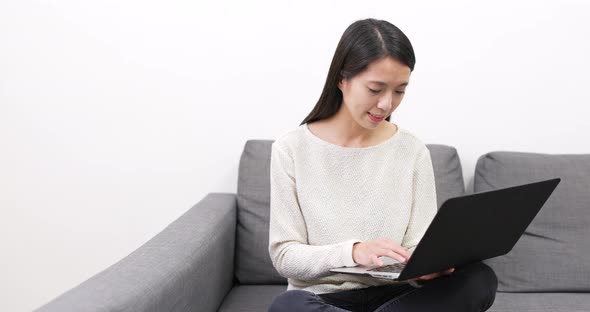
<point x="189" y="266"/>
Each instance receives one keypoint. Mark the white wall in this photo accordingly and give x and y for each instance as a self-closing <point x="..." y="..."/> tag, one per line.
<point x="117" y="116"/>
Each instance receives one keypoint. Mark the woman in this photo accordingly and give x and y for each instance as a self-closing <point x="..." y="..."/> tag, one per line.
<point x="348" y="188"/>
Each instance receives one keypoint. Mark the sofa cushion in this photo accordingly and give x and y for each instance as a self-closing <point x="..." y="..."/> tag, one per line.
<point x="448" y="175"/>
<point x="554" y="252"/>
<point x="253" y="264"/>
<point x="540" y="302"/>
<point x="250" y="298"/>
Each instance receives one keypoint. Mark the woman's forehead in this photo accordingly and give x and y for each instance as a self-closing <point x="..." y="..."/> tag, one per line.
<point x="387" y="72"/>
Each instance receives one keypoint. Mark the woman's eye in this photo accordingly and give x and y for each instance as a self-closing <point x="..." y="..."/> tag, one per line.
<point x="377" y="91"/>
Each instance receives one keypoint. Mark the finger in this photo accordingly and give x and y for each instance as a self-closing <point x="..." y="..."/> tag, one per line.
<point x="393" y="255"/>
<point x="433" y="275"/>
<point x="430" y="276"/>
<point x="375" y="260"/>
<point x="389" y="244"/>
<point x="424" y="278"/>
<point x="438" y="274"/>
<point x="399" y="250"/>
<point x="449" y="271"/>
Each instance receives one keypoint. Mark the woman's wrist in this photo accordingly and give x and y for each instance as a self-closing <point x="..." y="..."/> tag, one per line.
<point x="353" y="252"/>
<point x="415" y="284"/>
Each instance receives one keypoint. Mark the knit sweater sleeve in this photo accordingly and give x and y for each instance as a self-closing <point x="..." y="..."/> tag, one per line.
<point x="289" y="250"/>
<point x="424" y="206"/>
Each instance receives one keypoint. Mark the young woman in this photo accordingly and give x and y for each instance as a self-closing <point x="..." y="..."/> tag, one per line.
<point x="349" y="187"/>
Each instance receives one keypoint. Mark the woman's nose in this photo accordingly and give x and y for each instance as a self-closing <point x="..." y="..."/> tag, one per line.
<point x="385" y="103"/>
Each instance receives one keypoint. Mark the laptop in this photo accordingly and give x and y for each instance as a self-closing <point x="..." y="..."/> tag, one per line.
<point x="467" y="229"/>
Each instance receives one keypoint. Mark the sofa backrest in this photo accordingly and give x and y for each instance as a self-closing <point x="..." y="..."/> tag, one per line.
<point x="553" y="255"/>
<point x="253" y="264"/>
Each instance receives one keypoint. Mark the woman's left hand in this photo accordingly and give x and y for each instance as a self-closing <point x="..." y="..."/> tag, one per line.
<point x="433" y="275"/>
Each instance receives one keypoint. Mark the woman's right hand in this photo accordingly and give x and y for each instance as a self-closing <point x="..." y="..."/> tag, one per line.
<point x="367" y="253"/>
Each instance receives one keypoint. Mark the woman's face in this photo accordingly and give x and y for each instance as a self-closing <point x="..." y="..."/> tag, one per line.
<point x="378" y="90"/>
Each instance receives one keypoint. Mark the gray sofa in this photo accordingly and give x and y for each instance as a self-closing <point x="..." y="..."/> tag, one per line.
<point x="215" y="256"/>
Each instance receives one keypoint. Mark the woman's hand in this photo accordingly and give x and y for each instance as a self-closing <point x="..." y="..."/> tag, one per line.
<point x="367" y="253"/>
<point x="433" y="275"/>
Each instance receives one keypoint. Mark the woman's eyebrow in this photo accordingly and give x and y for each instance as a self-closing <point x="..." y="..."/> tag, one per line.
<point x="381" y="83"/>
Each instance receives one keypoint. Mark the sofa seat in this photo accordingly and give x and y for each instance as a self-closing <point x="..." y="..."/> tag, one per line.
<point x="541" y="302"/>
<point x="259" y="297"/>
<point x="251" y="297"/>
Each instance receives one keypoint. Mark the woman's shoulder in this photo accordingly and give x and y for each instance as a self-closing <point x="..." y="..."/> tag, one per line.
<point x="289" y="138"/>
<point x="412" y="141"/>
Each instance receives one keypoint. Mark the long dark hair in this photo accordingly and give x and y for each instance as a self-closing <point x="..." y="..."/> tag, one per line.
<point x="362" y="42"/>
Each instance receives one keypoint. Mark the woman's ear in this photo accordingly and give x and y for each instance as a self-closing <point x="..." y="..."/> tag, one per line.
<point x="342" y="83"/>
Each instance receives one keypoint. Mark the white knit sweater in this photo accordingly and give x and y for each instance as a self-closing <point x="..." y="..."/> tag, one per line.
<point x="326" y="197"/>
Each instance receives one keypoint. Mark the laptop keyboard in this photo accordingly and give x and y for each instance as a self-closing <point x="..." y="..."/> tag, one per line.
<point x="392" y="268"/>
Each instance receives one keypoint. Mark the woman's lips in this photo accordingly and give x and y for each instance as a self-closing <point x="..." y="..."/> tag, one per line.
<point x="375" y="119"/>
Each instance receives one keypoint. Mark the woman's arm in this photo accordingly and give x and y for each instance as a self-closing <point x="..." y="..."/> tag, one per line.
<point x="424" y="205"/>
<point x="424" y="209"/>
<point x="289" y="250"/>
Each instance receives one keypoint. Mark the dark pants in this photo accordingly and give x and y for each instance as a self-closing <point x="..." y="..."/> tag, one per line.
<point x="471" y="288"/>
